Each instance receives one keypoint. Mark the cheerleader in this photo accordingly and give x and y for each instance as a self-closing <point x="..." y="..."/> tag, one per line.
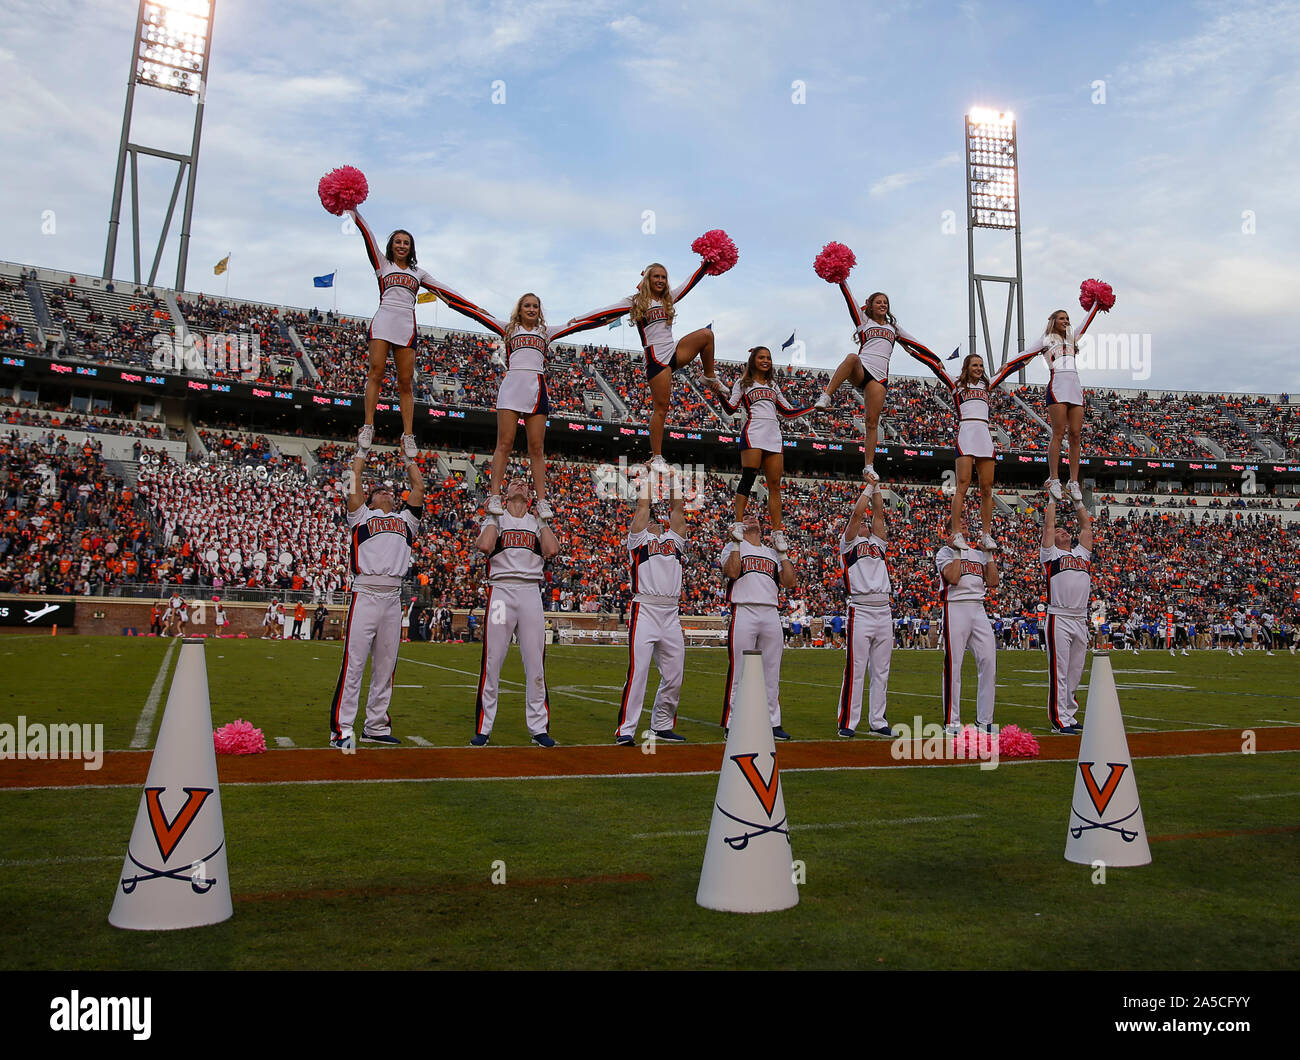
<point x="970" y="396"/>
<point x="1059" y="347"/>
<point x="392" y="327"/>
<point x="760" y="441"/>
<point x="876" y="331"/>
<point x="522" y="392"/>
<point x="652" y="309"/>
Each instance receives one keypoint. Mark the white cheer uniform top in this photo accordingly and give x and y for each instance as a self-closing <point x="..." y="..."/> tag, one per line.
<point x="380" y="552"/>
<point x="1069" y="580"/>
<point x="518" y="553"/>
<point x="972" y="402"/>
<point x="656" y="564"/>
<point x="656" y="330"/>
<point x="760" y="569"/>
<point x="397" y="286"/>
<point x="866" y="577"/>
<point x="970" y="589"/>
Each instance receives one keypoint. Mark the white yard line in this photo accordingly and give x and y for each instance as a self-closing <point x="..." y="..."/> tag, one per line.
<point x="1272" y="795"/>
<point x="818" y="827"/>
<point x="144" y="725"/>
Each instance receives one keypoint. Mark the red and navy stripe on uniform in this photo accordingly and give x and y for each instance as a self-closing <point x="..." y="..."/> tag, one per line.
<point x="846" y="690"/>
<point x="1052" y="704"/>
<point x="343" y="672"/>
<point x="759" y="392"/>
<point x="631" y="660"/>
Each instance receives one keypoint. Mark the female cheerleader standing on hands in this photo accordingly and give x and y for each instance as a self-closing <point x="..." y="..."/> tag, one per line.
<point x="652" y="310"/>
<point x="523" y="390"/>
<point x="876" y="331"/>
<point x="970" y="394"/>
<point x="1064" y="391"/>
<point x="760" y="441"/>
<point x="393" y="327"/>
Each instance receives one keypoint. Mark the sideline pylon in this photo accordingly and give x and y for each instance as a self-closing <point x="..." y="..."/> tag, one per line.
<point x="747" y="862"/>
<point x="1105" y="813"/>
<point x="174" y="875"/>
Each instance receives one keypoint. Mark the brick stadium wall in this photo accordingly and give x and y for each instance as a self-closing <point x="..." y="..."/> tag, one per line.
<point x="110" y="615"/>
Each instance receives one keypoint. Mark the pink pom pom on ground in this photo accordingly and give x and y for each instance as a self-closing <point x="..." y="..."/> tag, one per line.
<point x="718" y="251"/>
<point x="1095" y="291"/>
<point x="834" y="263"/>
<point x="1015" y="742"/>
<point x="239" y="738"/>
<point x="342" y="189"/>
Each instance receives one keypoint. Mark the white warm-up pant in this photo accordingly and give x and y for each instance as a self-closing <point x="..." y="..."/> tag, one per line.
<point x="870" y="646"/>
<point x="374" y="630"/>
<point x="1067" y="648"/>
<point x="754" y="626"/>
<point x="654" y="633"/>
<point x="965" y="625"/>
<point x="514" y="607"/>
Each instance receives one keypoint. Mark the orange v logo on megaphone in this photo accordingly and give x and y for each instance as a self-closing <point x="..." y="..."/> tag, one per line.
<point x="765" y="789"/>
<point x="168" y="833"/>
<point x="1101" y="796"/>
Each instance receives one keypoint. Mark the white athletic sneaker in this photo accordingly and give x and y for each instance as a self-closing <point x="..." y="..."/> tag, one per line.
<point x="544" y="510"/>
<point x="1266" y="653"/>
<point x="990" y="545"/>
<point x="782" y="545"/>
<point x="823" y="401"/>
<point x="869" y="473"/>
<point x="716" y="385"/>
<point x="365" y="437"/>
<point x="738" y="531"/>
<point x="1054" y="488"/>
<point x="959" y="541"/>
<point x="659" y="464"/>
<point x="494" y="505"/>
<point x="1186" y="652"/>
<point x="1076" y="494"/>
<point x="409" y="447"/>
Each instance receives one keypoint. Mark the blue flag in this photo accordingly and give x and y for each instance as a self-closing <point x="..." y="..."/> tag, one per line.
<point x="615" y="324"/>
<point x="323" y="281"/>
<point x="953" y="356"/>
<point x="788" y="342"/>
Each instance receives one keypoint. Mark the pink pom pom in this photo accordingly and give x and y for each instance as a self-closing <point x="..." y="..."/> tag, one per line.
<point x="1015" y="742"/>
<point x="239" y="738"/>
<point x="1094" y="291"/>
<point x="343" y="189"/>
<point x="718" y="251"/>
<point x="834" y="263"/>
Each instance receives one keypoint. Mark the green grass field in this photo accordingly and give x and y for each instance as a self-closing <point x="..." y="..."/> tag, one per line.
<point x="905" y="868"/>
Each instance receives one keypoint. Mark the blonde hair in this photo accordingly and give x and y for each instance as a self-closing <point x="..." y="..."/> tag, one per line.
<point x="515" y="323"/>
<point x="1049" y="332"/>
<point x="642" y="299"/>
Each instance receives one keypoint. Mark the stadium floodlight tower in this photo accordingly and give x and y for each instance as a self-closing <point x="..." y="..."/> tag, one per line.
<point x="173" y="40"/>
<point x="993" y="202"/>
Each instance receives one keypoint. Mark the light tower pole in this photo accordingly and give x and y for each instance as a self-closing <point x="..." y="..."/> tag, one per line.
<point x="993" y="202"/>
<point x="173" y="41"/>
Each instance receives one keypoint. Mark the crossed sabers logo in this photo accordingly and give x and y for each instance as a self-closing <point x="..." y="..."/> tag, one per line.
<point x="167" y="834"/>
<point x="1101" y="799"/>
<point x="766" y="791"/>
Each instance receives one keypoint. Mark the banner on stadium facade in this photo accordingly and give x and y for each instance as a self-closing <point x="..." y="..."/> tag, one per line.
<point x="38" y="613"/>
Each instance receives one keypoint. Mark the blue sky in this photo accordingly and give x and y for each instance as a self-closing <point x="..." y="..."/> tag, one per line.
<point x="687" y="110"/>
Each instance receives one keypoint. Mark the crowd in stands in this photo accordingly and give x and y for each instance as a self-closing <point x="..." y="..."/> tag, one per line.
<point x="255" y="450"/>
<point x="59" y="417"/>
<point x="70" y="527"/>
<point x="222" y="531"/>
<point x="264" y="324"/>
<point x="67" y="527"/>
